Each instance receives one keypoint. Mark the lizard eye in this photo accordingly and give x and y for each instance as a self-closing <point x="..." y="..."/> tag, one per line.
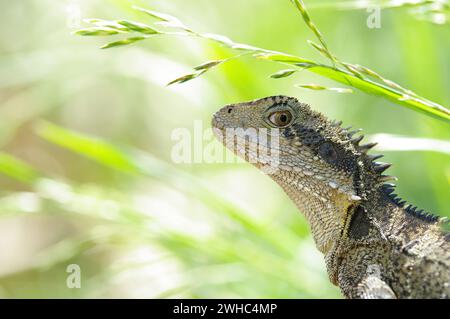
<point x="280" y="118"/>
<point x="328" y="152"/>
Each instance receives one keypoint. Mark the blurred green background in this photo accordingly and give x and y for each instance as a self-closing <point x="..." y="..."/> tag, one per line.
<point x="85" y="134"/>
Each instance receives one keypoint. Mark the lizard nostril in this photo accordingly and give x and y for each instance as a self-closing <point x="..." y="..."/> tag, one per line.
<point x="229" y="109"/>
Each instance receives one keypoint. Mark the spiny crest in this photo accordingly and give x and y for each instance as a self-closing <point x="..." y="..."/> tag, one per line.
<point x="377" y="167"/>
<point x="388" y="189"/>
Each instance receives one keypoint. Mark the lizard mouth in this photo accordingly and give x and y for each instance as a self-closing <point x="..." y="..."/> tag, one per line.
<point x="218" y="127"/>
<point x="216" y="122"/>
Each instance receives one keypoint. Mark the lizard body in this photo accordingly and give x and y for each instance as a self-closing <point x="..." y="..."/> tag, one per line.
<point x="374" y="244"/>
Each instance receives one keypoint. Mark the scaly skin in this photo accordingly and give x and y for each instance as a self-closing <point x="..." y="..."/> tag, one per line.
<point x="375" y="246"/>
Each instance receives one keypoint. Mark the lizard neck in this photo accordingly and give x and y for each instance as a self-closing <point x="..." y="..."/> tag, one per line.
<point x="325" y="211"/>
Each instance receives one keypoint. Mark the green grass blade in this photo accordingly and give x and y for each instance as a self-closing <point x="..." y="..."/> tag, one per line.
<point x="283" y="73"/>
<point x="122" y="42"/>
<point x="98" y="31"/>
<point x="138" y="27"/>
<point x="17" y="169"/>
<point x="366" y="85"/>
<point x="324" y="88"/>
<point x="92" y="148"/>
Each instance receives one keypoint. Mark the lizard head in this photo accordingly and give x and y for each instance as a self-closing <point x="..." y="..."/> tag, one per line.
<point x="319" y="164"/>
